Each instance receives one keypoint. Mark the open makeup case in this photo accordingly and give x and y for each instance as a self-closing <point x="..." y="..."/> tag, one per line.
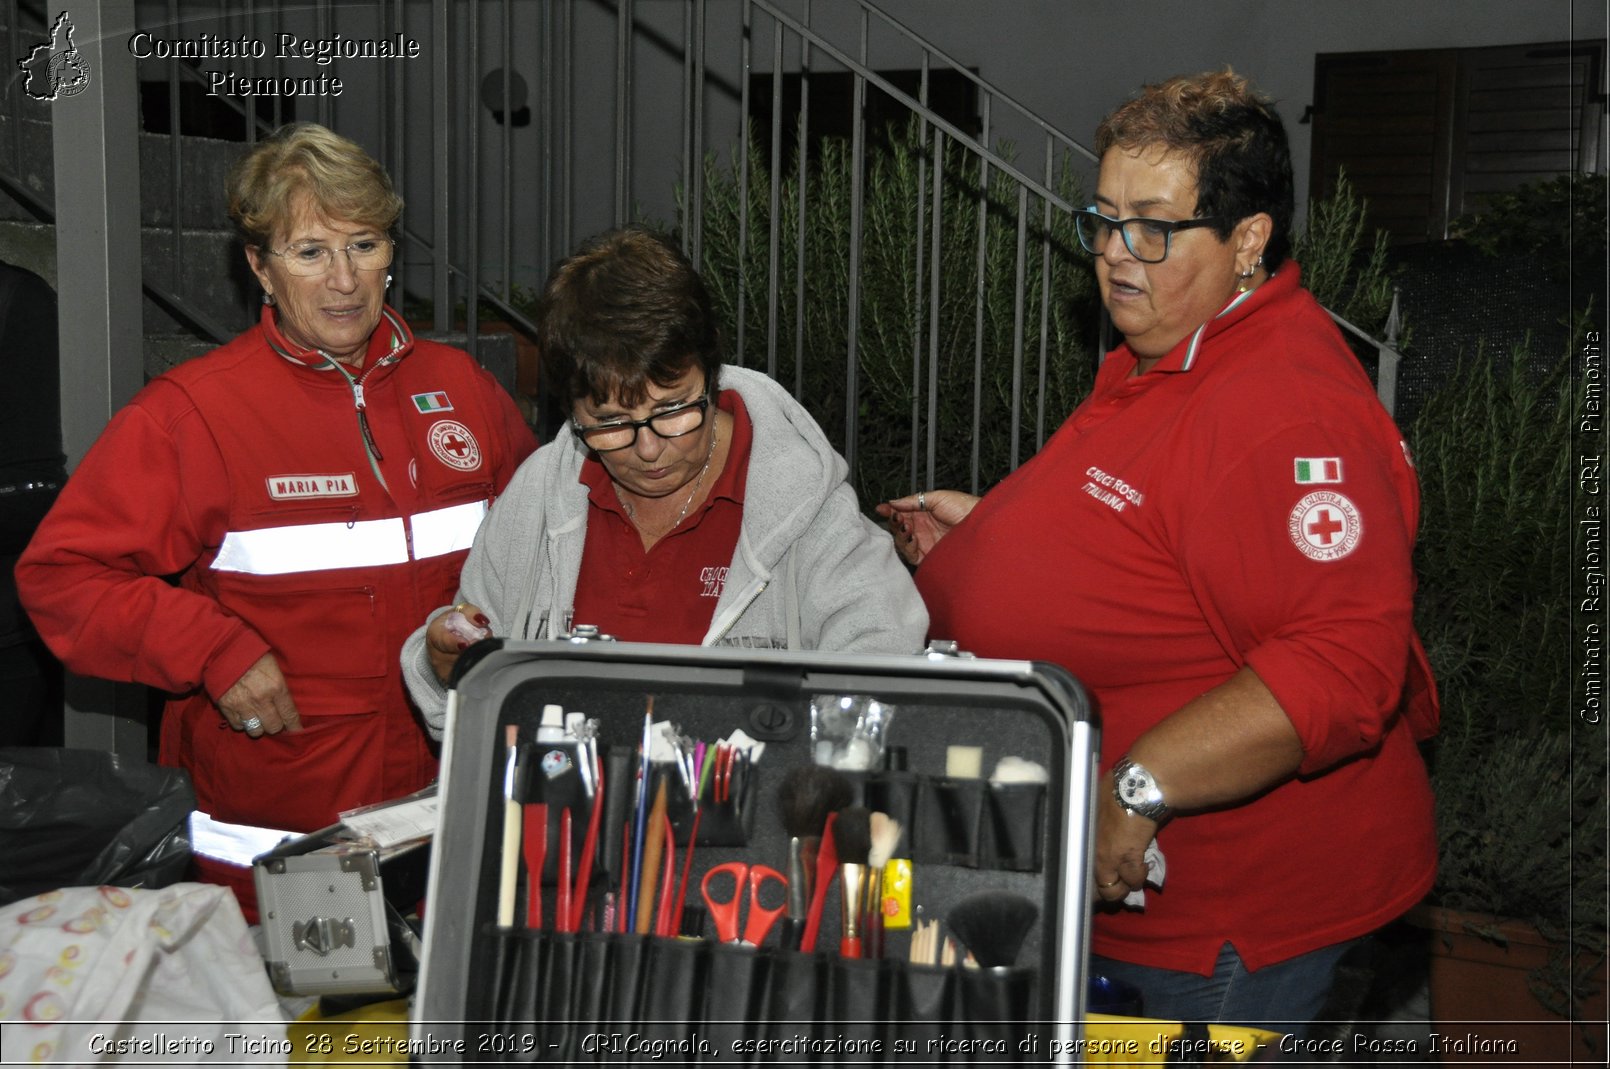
<point x="625" y="944"/>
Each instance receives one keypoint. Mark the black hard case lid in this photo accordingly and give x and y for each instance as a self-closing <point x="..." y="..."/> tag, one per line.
<point x="1030" y="709"/>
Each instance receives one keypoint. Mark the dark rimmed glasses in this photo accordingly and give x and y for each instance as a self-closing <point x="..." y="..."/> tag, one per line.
<point x="311" y="258"/>
<point x="621" y="433"/>
<point x="1146" y="239"/>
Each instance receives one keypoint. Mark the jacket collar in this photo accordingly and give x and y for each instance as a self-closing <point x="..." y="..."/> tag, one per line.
<point x="391" y="341"/>
<point x="1183" y="357"/>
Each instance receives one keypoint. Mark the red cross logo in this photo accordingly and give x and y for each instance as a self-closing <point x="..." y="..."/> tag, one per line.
<point x="454" y="445"/>
<point x="1325" y="526"/>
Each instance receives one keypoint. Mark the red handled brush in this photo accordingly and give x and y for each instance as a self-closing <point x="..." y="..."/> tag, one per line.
<point x="827" y="862"/>
<point x="805" y="798"/>
<point x="589" y="846"/>
<point x="535" y="848"/>
<point x="561" y="905"/>
<point x="852" y="837"/>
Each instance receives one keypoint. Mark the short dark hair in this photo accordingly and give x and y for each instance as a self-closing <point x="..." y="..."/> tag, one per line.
<point x="1234" y="138"/>
<point x="623" y="310"/>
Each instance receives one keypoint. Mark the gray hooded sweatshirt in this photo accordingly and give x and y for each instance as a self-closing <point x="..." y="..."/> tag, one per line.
<point x="810" y="571"/>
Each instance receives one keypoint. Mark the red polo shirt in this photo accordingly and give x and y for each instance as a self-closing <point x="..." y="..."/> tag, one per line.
<point x="1246" y="503"/>
<point x="668" y="593"/>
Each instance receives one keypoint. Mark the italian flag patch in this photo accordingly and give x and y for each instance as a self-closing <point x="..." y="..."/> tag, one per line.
<point x="1318" y="469"/>
<point x="433" y="402"/>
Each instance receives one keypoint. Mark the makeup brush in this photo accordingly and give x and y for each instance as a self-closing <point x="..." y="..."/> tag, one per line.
<point x="885" y="837"/>
<point x="534" y="848"/>
<point x="852" y="837"/>
<point x="827" y="863"/>
<point x="509" y="870"/>
<point x="640" y="827"/>
<point x="589" y="842"/>
<point x="992" y="925"/>
<point x="653" y="854"/>
<point x="701" y="778"/>
<point x="804" y="799"/>
<point x="561" y="907"/>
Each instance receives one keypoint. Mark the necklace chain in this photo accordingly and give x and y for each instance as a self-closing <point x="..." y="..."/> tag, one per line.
<point x="709" y="455"/>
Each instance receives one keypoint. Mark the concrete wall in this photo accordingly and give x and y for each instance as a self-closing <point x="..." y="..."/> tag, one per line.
<point x="1072" y="61"/>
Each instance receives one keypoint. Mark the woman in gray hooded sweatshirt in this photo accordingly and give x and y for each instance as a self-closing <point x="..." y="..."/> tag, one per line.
<point x="685" y="502"/>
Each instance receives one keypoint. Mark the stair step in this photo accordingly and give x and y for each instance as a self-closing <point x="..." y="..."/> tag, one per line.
<point x="214" y="278"/>
<point x="204" y="165"/>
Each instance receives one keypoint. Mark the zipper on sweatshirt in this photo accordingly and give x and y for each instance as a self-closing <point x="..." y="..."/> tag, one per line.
<point x="734" y="614"/>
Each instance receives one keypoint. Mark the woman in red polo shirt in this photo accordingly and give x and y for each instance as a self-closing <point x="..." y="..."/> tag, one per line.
<point x="688" y="502"/>
<point x="1217" y="542"/>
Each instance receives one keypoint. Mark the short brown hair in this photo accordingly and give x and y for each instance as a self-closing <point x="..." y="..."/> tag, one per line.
<point x="343" y="180"/>
<point x="623" y="310"/>
<point x="1233" y="137"/>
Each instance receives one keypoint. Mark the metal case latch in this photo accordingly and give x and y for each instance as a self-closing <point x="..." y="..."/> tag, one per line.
<point x="941" y="649"/>
<point x="321" y="935"/>
<point x="581" y="634"/>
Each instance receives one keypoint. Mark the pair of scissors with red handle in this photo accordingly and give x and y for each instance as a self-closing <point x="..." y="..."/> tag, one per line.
<point x="727" y="909"/>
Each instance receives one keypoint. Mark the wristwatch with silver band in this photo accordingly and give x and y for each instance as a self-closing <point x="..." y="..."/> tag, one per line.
<point x="1137" y="791"/>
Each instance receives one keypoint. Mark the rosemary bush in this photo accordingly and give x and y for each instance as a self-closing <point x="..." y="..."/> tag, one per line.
<point x="896" y="335"/>
<point x="1356" y="285"/>
<point x="1493" y="452"/>
<point x="1520" y="802"/>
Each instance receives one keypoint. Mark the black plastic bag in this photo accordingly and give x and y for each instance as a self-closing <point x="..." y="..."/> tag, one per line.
<point x="80" y="818"/>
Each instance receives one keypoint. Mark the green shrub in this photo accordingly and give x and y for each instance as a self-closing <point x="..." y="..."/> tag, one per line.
<point x="1493" y="451"/>
<point x="1520" y="798"/>
<point x="1562" y="219"/>
<point x="1356" y="285"/>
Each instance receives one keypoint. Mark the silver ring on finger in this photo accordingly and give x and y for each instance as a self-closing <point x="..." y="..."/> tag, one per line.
<point x="251" y="724"/>
<point x="922" y="501"/>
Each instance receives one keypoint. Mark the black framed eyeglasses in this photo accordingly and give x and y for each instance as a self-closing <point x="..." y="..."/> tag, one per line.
<point x="621" y="433"/>
<point x="1146" y="239"/>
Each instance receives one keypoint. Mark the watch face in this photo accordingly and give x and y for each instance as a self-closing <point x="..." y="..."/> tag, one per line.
<point x="1135" y="787"/>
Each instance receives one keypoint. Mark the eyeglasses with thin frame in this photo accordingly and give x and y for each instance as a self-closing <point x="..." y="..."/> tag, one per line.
<point x="1146" y="239"/>
<point x="671" y="422"/>
<point x="312" y="258"/>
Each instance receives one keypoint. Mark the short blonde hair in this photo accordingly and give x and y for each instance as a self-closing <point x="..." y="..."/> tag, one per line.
<point x="343" y="180"/>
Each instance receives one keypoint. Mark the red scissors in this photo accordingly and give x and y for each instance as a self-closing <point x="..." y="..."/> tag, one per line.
<point x="726" y="910"/>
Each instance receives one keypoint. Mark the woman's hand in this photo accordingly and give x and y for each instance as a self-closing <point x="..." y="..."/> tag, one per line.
<point x="453" y="632"/>
<point x="260" y="702"/>
<point x="918" y="522"/>
<point x="1119" y="865"/>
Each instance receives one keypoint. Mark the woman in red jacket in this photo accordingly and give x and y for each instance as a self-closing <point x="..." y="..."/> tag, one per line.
<point x="259" y="530"/>
<point x="1217" y="542"/>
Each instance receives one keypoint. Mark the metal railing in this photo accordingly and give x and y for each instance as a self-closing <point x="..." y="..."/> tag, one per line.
<point x="937" y="136"/>
<point x="631" y="103"/>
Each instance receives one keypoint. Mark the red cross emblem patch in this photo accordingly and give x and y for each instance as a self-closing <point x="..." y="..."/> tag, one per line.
<point x="454" y="445"/>
<point x="1325" y="525"/>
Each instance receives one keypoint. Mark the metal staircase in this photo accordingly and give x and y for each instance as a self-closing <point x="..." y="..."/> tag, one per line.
<point x="513" y="128"/>
<point x="520" y="126"/>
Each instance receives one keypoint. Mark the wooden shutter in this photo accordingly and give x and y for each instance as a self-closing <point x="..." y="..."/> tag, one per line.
<point x="1425" y="134"/>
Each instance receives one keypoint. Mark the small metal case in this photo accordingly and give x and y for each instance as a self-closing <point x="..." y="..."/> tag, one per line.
<point x="332" y="915"/>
